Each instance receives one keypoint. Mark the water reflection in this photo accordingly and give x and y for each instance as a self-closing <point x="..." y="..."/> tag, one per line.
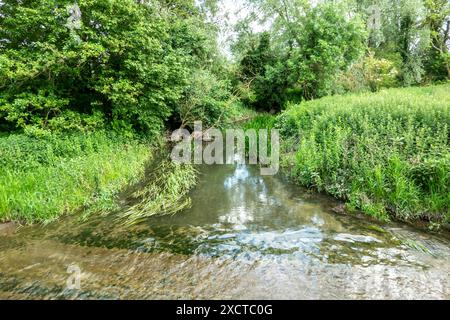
<point x="246" y="236"/>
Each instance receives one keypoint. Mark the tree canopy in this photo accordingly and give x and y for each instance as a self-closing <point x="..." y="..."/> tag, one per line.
<point x="141" y="66"/>
<point x="128" y="63"/>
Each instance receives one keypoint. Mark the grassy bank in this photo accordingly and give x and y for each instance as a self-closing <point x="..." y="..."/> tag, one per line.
<point x="385" y="153"/>
<point x="43" y="178"/>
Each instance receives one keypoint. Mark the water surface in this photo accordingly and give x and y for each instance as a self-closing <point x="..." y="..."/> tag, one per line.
<point x="246" y="236"/>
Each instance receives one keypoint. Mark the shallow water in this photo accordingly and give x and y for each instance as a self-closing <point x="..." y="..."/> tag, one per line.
<point x="246" y="236"/>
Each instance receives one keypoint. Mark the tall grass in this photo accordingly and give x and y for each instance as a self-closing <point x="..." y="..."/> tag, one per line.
<point x="264" y="121"/>
<point x="261" y="121"/>
<point x="42" y="178"/>
<point x="385" y="153"/>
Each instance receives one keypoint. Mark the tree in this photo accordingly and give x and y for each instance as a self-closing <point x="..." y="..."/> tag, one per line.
<point x="306" y="49"/>
<point x="402" y="34"/>
<point x="437" y="20"/>
<point x="328" y="43"/>
<point x="121" y="62"/>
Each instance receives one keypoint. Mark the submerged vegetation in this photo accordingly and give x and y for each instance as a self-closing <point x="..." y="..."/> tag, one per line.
<point x="386" y="153"/>
<point x="163" y="191"/>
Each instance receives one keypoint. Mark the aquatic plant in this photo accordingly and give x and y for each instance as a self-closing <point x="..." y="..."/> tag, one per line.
<point x="164" y="191"/>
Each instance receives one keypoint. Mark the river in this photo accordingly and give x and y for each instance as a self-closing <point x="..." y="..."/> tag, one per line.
<point x="246" y="236"/>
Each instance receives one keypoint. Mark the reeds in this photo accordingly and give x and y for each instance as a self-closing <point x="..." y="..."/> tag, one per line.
<point x="164" y="191"/>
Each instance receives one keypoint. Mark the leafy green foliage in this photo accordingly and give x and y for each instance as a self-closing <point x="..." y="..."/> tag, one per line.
<point x="368" y="74"/>
<point x="328" y="43"/>
<point x="205" y="98"/>
<point x="385" y="153"/>
<point x="123" y="63"/>
<point x="415" y="30"/>
<point x="304" y="58"/>
<point x="437" y="61"/>
<point x="315" y="48"/>
<point x="71" y="69"/>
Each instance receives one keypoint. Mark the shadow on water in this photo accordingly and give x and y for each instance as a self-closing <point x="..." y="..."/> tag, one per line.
<point x="245" y="236"/>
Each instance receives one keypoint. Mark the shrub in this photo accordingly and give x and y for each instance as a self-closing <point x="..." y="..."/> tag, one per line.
<point x="369" y="74"/>
<point x="206" y="98"/>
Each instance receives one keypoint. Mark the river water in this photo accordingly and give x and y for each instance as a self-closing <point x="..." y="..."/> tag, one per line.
<point x="246" y="236"/>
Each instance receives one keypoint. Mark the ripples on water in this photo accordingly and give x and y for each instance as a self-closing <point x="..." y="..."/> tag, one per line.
<point x="246" y="236"/>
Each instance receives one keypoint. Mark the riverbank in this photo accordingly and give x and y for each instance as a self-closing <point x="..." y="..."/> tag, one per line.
<point x="384" y="153"/>
<point x="246" y="236"/>
<point x="44" y="178"/>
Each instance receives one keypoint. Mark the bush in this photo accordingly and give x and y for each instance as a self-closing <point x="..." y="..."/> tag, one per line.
<point x="205" y="99"/>
<point x="369" y="74"/>
<point x="385" y="153"/>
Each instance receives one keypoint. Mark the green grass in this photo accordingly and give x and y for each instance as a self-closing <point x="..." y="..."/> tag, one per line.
<point x="261" y="121"/>
<point x="385" y="153"/>
<point x="43" y="178"/>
